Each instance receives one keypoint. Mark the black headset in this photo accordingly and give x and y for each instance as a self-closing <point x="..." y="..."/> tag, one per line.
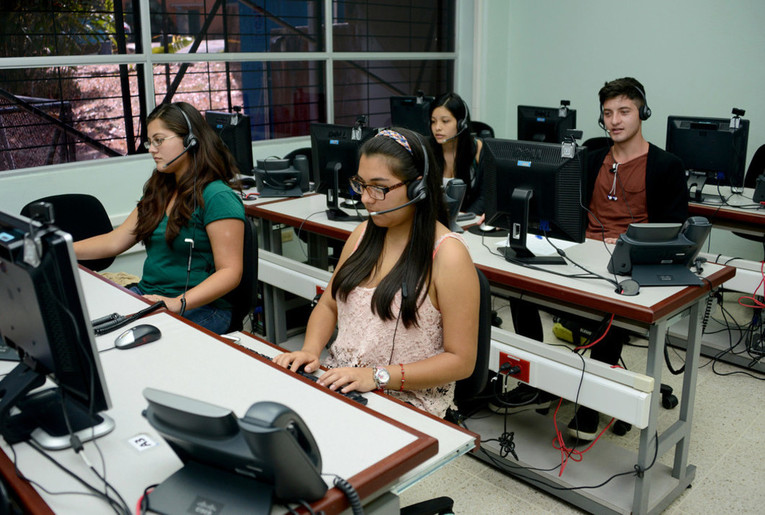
<point x="190" y="140"/>
<point x="644" y="112"/>
<point x="463" y="124"/>
<point x="417" y="189"/>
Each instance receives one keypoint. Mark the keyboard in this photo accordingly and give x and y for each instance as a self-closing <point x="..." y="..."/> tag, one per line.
<point x="354" y="396"/>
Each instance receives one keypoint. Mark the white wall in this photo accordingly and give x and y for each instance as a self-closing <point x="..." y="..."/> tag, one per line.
<point x="694" y="57"/>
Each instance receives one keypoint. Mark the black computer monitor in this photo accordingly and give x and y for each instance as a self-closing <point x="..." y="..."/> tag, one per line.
<point x="411" y="113"/>
<point x="545" y="124"/>
<point x="531" y="189"/>
<point x="711" y="150"/>
<point x="335" y="157"/>
<point x="234" y="130"/>
<point x="45" y="319"/>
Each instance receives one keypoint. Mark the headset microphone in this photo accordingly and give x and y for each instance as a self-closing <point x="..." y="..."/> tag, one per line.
<point x="173" y="160"/>
<point x="402" y="206"/>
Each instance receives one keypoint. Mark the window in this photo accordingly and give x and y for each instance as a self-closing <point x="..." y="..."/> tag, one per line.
<point x="73" y="82"/>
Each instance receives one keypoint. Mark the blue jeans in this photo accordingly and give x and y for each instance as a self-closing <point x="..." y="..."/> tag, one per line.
<point x="211" y="318"/>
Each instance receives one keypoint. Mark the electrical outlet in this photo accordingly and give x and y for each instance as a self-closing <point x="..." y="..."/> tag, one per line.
<point x="513" y="361"/>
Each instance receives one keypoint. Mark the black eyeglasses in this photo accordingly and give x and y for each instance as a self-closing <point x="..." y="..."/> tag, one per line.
<point x="376" y="192"/>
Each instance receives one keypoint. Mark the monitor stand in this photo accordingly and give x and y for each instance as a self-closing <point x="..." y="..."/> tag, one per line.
<point x="696" y="182"/>
<point x="517" y="251"/>
<point x="333" y="205"/>
<point x="40" y="415"/>
<point x="198" y="488"/>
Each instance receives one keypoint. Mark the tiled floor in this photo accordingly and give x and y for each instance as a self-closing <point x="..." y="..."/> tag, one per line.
<point x="727" y="446"/>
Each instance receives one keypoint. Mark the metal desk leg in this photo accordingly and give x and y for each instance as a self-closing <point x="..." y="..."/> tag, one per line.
<point x="647" y="435"/>
<point x="679" y="434"/>
<point x="273" y="298"/>
<point x="692" y="357"/>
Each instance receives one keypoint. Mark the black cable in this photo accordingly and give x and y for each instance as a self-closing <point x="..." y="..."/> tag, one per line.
<point x="115" y="505"/>
<point x="350" y="493"/>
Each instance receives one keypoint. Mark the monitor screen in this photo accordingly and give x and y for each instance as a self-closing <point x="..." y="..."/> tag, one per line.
<point x="335" y="157"/>
<point x="710" y="147"/>
<point x="234" y="130"/>
<point x="530" y="188"/>
<point x="545" y="124"/>
<point x="411" y="113"/>
<point x="45" y="319"/>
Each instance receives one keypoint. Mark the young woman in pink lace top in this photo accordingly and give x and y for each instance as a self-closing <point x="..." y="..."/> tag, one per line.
<point x="405" y="294"/>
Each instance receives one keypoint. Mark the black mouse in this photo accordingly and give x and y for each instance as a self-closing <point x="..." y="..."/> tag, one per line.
<point x="136" y="336"/>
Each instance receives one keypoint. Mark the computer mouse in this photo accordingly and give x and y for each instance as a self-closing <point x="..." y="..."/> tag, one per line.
<point x="487" y="228"/>
<point x="136" y="336"/>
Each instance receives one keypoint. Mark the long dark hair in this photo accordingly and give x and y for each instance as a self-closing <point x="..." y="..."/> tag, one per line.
<point x="466" y="146"/>
<point x="412" y="272"/>
<point x="210" y="160"/>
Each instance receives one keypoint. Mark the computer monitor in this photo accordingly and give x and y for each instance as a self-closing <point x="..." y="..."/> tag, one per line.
<point x="711" y="150"/>
<point x="411" y="113"/>
<point x="234" y="130"/>
<point x="45" y="319"/>
<point x="545" y="124"/>
<point x="335" y="157"/>
<point x="531" y="189"/>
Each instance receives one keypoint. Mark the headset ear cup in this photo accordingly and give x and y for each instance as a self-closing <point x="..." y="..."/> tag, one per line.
<point x="415" y="189"/>
<point x="645" y="112"/>
<point x="601" y="120"/>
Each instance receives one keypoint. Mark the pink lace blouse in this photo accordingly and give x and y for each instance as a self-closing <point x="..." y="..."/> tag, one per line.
<point x="365" y="340"/>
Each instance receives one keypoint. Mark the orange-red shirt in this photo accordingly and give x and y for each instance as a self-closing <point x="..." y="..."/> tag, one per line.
<point x="618" y="199"/>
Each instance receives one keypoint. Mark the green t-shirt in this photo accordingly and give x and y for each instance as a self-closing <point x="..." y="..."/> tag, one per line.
<point x="164" y="271"/>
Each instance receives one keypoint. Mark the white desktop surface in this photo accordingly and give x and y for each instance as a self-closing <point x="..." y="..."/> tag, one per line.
<point x="354" y="441"/>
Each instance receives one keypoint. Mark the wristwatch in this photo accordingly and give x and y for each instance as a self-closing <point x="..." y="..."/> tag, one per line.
<point x="381" y="377"/>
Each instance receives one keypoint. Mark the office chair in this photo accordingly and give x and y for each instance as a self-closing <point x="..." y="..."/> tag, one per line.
<point x="596" y="143"/>
<point x="244" y="297"/>
<point x="82" y="216"/>
<point x="755" y="169"/>
<point x="481" y="130"/>
<point x="467" y="389"/>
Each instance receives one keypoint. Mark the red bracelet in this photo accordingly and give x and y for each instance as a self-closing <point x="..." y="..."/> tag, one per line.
<point x="401" y="388"/>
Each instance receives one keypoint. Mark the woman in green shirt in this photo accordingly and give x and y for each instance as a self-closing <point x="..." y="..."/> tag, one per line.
<point x="189" y="219"/>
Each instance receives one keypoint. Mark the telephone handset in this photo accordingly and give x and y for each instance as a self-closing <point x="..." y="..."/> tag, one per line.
<point x="270" y="450"/>
<point x="278" y="436"/>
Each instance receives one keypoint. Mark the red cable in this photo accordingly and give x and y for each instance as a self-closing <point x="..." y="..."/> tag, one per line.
<point x="601" y="336"/>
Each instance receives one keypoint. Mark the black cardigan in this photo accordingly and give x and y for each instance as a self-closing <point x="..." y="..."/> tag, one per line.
<point x="665" y="183"/>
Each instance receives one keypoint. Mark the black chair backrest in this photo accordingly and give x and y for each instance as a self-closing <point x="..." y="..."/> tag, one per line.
<point x="480" y="129"/>
<point x="82" y="216"/>
<point x="244" y="297"/>
<point x="472" y="385"/>
<point x="756" y="168"/>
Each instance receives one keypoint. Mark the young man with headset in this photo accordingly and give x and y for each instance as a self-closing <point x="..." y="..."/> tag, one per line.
<point x="629" y="181"/>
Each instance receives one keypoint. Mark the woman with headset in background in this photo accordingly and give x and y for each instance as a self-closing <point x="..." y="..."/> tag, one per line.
<point x="405" y="293"/>
<point x="189" y="219"/>
<point x="457" y="152"/>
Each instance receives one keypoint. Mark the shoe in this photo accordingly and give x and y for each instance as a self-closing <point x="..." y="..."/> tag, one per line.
<point x="521" y="398"/>
<point x="584" y="425"/>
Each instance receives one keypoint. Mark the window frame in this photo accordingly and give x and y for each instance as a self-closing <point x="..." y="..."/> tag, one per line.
<point x="462" y="58"/>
